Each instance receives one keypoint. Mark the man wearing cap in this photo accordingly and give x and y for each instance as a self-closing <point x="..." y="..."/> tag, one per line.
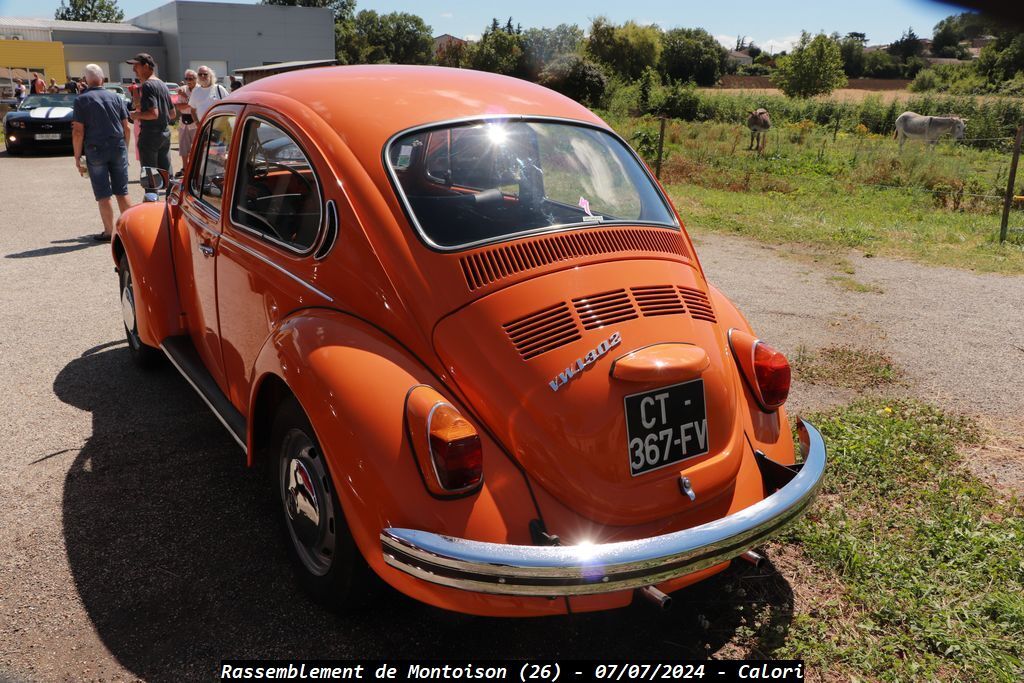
<point x="155" y="112"/>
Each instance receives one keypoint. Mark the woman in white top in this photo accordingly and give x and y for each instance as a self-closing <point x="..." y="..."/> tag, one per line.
<point x="206" y="93"/>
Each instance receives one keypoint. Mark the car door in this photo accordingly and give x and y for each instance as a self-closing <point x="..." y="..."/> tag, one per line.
<point x="267" y="263"/>
<point x="197" y="244"/>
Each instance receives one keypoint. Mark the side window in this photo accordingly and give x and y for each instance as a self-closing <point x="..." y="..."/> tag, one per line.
<point x="277" y="193"/>
<point x="207" y="181"/>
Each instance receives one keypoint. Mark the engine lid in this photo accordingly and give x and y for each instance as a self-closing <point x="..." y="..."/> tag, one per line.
<point x="607" y="395"/>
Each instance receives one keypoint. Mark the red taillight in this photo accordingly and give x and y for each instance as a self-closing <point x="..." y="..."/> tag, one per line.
<point x="447" y="447"/>
<point x="771" y="371"/>
<point x="765" y="370"/>
<point x="454" y="449"/>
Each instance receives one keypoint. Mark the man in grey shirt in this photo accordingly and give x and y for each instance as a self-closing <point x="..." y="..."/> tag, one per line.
<point x="155" y="112"/>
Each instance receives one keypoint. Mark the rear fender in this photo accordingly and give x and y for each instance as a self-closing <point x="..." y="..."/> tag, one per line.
<point x="768" y="432"/>
<point x="143" y="234"/>
<point x="352" y="381"/>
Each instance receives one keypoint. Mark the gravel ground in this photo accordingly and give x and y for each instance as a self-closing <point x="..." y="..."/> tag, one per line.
<point x="136" y="545"/>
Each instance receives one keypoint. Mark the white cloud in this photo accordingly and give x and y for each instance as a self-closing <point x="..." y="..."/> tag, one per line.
<point x="447" y="15"/>
<point x="471" y="36"/>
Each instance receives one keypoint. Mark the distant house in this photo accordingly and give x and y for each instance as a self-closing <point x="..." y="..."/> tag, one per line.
<point x="982" y="41"/>
<point x="739" y="58"/>
<point x="445" y="41"/>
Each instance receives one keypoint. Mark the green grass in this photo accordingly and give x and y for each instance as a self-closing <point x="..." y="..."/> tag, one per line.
<point x="928" y="557"/>
<point x="857" y="191"/>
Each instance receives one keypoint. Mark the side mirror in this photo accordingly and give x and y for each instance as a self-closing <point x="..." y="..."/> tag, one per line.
<point x="153" y="180"/>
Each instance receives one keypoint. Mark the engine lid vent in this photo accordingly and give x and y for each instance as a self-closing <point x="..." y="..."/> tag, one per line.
<point x="489" y="265"/>
<point x="698" y="303"/>
<point x="542" y="331"/>
<point x="658" y="300"/>
<point x="599" y="310"/>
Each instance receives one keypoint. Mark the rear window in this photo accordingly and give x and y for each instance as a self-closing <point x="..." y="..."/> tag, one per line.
<point x="483" y="181"/>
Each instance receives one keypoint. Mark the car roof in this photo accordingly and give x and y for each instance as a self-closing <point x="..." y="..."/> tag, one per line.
<point x="368" y="104"/>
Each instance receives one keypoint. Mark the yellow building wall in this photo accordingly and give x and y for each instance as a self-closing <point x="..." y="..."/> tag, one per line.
<point x="30" y="54"/>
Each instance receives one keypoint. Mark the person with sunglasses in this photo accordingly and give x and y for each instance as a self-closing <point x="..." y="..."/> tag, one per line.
<point x="207" y="93"/>
<point x="187" y="125"/>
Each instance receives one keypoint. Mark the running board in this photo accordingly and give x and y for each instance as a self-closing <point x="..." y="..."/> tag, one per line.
<point x="183" y="355"/>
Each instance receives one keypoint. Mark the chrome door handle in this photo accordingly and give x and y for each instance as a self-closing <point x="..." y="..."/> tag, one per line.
<point x="206" y="249"/>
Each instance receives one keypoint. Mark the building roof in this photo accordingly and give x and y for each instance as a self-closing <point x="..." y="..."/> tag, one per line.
<point x="288" y="66"/>
<point x="60" y="25"/>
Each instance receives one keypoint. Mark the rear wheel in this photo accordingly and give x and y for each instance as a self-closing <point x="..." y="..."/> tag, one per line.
<point x="329" y="565"/>
<point x="143" y="355"/>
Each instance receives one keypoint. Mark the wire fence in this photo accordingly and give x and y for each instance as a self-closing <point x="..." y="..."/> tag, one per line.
<point x="961" y="180"/>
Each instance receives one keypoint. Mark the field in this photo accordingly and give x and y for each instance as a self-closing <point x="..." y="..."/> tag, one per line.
<point x="837" y="190"/>
<point x="908" y="566"/>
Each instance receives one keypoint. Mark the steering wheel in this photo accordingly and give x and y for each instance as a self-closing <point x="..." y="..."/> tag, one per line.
<point x="264" y="168"/>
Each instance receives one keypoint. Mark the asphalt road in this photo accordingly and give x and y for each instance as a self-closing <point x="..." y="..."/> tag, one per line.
<point x="135" y="544"/>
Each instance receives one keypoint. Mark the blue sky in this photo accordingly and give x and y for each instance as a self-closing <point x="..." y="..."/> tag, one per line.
<point x="775" y="23"/>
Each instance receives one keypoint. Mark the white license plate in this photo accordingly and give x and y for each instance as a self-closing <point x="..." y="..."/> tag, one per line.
<point x="47" y="136"/>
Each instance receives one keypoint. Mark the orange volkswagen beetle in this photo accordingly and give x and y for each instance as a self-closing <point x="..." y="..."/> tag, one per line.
<point x="462" y="325"/>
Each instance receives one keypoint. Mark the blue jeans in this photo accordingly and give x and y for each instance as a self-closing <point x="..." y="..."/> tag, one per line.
<point x="108" y="167"/>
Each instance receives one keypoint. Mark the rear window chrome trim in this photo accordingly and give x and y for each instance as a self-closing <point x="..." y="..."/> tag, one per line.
<point x="565" y="227"/>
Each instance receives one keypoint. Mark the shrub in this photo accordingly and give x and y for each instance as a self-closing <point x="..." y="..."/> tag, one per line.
<point x="576" y="77"/>
<point x="815" y="67"/>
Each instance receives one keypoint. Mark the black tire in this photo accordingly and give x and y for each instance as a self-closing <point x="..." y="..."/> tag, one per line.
<point x="325" y="556"/>
<point x="143" y="355"/>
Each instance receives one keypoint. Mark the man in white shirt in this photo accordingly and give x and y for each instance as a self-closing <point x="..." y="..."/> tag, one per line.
<point x="207" y="93"/>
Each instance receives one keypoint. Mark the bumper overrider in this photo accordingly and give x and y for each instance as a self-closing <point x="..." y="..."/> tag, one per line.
<point x="525" y="570"/>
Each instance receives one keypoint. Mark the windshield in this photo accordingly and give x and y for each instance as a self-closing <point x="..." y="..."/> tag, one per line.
<point x="481" y="181"/>
<point x="57" y="100"/>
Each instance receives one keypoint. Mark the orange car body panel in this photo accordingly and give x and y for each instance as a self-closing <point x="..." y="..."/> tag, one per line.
<point x="142" y="235"/>
<point x="351" y="334"/>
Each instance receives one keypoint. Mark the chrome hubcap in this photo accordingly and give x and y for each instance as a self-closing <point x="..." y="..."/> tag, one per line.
<point x="301" y="503"/>
<point x="308" y="509"/>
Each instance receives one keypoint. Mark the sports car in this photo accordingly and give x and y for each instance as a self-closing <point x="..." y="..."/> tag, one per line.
<point x="40" y="122"/>
<point x="462" y="328"/>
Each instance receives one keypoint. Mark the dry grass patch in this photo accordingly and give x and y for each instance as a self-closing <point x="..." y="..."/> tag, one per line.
<point x="845" y="366"/>
<point x="852" y="285"/>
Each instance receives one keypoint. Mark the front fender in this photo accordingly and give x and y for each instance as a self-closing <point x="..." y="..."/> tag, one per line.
<point x="142" y="233"/>
<point x="352" y="380"/>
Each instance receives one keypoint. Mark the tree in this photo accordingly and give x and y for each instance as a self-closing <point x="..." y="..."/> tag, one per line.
<point x="692" y="54"/>
<point x="343" y="10"/>
<point x="542" y="46"/>
<point x="946" y="40"/>
<point x="393" y="38"/>
<point x="577" y="77"/>
<point x="106" y="11"/>
<point x="499" y="50"/>
<point x="909" y="45"/>
<point x="626" y="50"/>
<point x="453" y="54"/>
<point x="880" y="64"/>
<point x="852" y="51"/>
<point x="814" y="67"/>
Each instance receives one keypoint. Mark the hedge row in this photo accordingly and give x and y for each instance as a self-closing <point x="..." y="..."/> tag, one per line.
<point x="989" y="117"/>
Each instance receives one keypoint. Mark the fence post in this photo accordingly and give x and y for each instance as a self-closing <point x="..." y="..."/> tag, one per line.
<point x="1010" y="184"/>
<point x="835" y="131"/>
<point x="661" y="147"/>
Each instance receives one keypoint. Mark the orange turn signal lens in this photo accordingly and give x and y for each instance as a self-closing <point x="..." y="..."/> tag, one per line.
<point x="447" y="447"/>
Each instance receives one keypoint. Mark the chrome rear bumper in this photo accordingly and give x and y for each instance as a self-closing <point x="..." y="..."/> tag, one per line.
<point x="528" y="570"/>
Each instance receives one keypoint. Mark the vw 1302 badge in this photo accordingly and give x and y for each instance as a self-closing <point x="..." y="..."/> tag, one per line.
<point x="586" y="361"/>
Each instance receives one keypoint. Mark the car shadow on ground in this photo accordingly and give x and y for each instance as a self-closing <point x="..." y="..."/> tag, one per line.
<point x="61" y="247"/>
<point x="176" y="552"/>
